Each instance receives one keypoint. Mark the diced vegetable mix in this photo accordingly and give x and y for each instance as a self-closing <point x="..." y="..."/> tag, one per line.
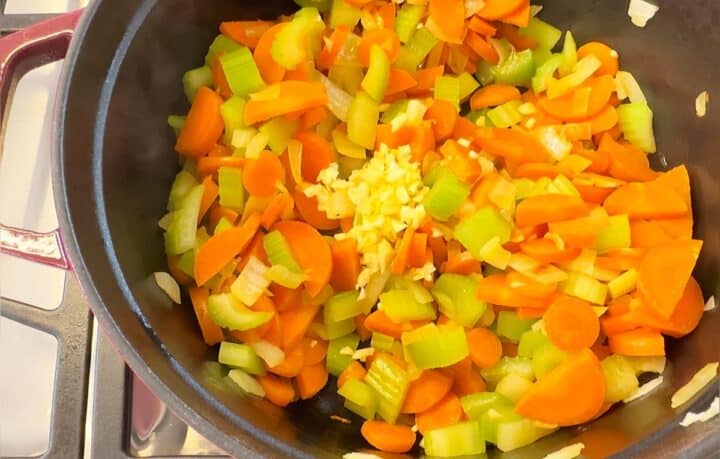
<point x="451" y="210"/>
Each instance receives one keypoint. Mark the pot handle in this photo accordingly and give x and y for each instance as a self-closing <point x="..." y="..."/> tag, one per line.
<point x="47" y="41"/>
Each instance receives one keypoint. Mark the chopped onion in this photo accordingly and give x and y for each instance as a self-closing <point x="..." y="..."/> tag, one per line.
<point x="169" y="285"/>
<point x="641" y="12"/>
<point x="271" y="354"/>
<point x="710" y="305"/>
<point x="473" y="6"/>
<point x="338" y="100"/>
<point x="568" y="452"/>
<point x="701" y="103"/>
<point x="627" y="86"/>
<point x="645" y="389"/>
<point x="701" y="379"/>
<point x="363" y="354"/>
<point x="256" y="145"/>
<point x="246" y="382"/>
<point x="712" y="411"/>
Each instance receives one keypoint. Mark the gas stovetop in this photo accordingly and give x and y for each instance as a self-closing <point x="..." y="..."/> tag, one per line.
<point x="64" y="392"/>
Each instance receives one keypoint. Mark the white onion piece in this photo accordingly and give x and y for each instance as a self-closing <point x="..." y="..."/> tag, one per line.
<point x="641" y="12"/>
<point x="169" y="285"/>
<point x="701" y="103"/>
<point x="701" y="379"/>
<point x="712" y="411"/>
<point x="645" y="389"/>
<point x="271" y="354"/>
<point x="246" y="382"/>
<point x="338" y="100"/>
<point x="568" y="452"/>
<point x="710" y="305"/>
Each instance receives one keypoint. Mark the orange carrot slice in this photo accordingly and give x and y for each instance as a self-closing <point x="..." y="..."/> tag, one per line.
<point x="571" y="324"/>
<point x="564" y="107"/>
<point x="426" y="391"/>
<point x="291" y="365"/>
<point x="685" y="317"/>
<point x="608" y="57"/>
<point x="278" y="390"/>
<point x="493" y="95"/>
<point x="399" y="82"/>
<point x="627" y="162"/>
<point x="203" y="125"/>
<point x="270" y="70"/>
<point x="642" y="342"/>
<point x="246" y="33"/>
<point x="295" y="323"/>
<point x="536" y="210"/>
<point x="283" y="98"/>
<point x="210" y="194"/>
<point x="443" y="116"/>
<point x="317" y="154"/>
<point x="496" y="9"/>
<point x="311" y="251"/>
<point x="311" y="380"/>
<point x="648" y="200"/>
<point x="353" y="371"/>
<point x="446" y="20"/>
<point x="261" y="175"/>
<point x="485" y="347"/>
<point x="307" y="207"/>
<point x="346" y="264"/>
<point x="446" y="412"/>
<point x="391" y="438"/>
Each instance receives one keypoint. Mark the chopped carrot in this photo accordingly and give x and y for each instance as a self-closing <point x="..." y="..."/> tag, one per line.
<point x="270" y="70"/>
<point x="608" y="57"/>
<point x="530" y="313"/>
<point x="261" y="175"/>
<point x="536" y="210"/>
<point x="497" y="9"/>
<point x="466" y="379"/>
<point x="593" y="194"/>
<point x="176" y="273"/>
<point x="387" y="39"/>
<point x="311" y="118"/>
<point x="679" y="228"/>
<point x="535" y="171"/>
<point x="329" y="53"/>
<point x="648" y="200"/>
<point x="426" y="81"/>
<point x="600" y="159"/>
<point x="511" y="145"/>
<point x="493" y="95"/>
<point x="295" y="323"/>
<point x="439" y="250"/>
<point x="446" y="412"/>
<point x="480" y="46"/>
<point x="677" y="179"/>
<point x="346" y="263"/>
<point x="311" y="380"/>
<point x="520" y="17"/>
<point x="219" y="79"/>
<point x="360" y="329"/>
<point x="555" y="399"/>
<point x="684" y="319"/>
<point x="284" y="97"/>
<point x="283" y="297"/>
<point x="317" y="154"/>
<point x="311" y="251"/>
<point x="476" y="24"/>
<point x="571" y="324"/>
<point x="485" y="347"/>
<point x="378" y="321"/>
<point x="401" y="254"/>
<point x="292" y="364"/>
<point x="353" y="371"/>
<point x="211" y="332"/>
<point x="446" y="20"/>
<point x="443" y="116"/>
<point x="208" y="165"/>
<point x="203" y="125"/>
<point x="221" y="248"/>
<point x="604" y="121"/>
<point x="529" y="287"/>
<point x="648" y="233"/>
<point x="565" y="107"/>
<point x="495" y="290"/>
<point x="278" y="205"/>
<point x="246" y="33"/>
<point x="546" y="251"/>
<point x="426" y="391"/>
<point x="627" y="162"/>
<point x="391" y="438"/>
<point x="278" y="390"/>
<point x="210" y="194"/>
<point x="417" y="251"/>
<point x="641" y="342"/>
<point x="307" y="207"/>
<point x="399" y="82"/>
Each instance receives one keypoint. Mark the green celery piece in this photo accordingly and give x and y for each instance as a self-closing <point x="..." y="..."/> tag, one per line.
<point x="231" y="189"/>
<point x="519" y="365"/>
<point x="505" y="115"/>
<point x="616" y="235"/>
<point x="300" y="40"/>
<point x="620" y="379"/>
<point x="545" y="34"/>
<point x="347" y="75"/>
<point x="382" y="342"/>
<point x="512" y="435"/>
<point x="241" y="72"/>
<point x="623" y="284"/>
<point x="636" y="123"/>
<point x="394" y="110"/>
<point x="447" y="195"/>
<point x="513" y="387"/>
<point x="431" y="346"/>
<point x="233" y="115"/>
<point x="346" y="148"/>
<point x="484" y="73"/>
<point x="468" y="85"/>
<point x="476" y="230"/>
<point x="183" y="183"/>
<point x="390" y="382"/>
<point x="186" y="263"/>
<point x="457" y="297"/>
<point x="503" y="47"/>
<point x="414" y="52"/>
<point x="523" y="187"/>
<point x="176" y="122"/>
<point x="541" y="55"/>
<point x="194" y="79"/>
<point x="223" y="225"/>
<point x="530" y="341"/>
<point x="475" y="405"/>
<point x="335" y="361"/>
<point x="227" y="312"/>
<point x="545" y="358"/>
<point x="220" y="45"/>
<point x="510" y="326"/>
<point x="321" y="5"/>
<point x="569" y="54"/>
<point x="516" y="70"/>
<point x="437" y="171"/>
<point x="182" y="230"/>
<point x="475" y="115"/>
<point x="491" y="418"/>
<point x="582" y="70"/>
<point x="408" y="17"/>
<point x="359" y="398"/>
<point x="278" y="251"/>
<point x="401" y="306"/>
<point x="214" y="373"/>
<point x="448" y="88"/>
<point x="586" y="288"/>
<point x="546" y="71"/>
<point x="326" y="127"/>
<point x="247" y="383"/>
<point x="335" y="330"/>
<point x="378" y="74"/>
<point x="464" y="439"/>
<point x="342" y="13"/>
<point x="563" y="185"/>
<point x="240" y="356"/>
<point x="342" y="306"/>
<point x="363" y="117"/>
<point x="280" y="131"/>
<point x="284" y="277"/>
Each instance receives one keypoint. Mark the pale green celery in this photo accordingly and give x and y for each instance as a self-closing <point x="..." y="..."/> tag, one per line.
<point x="562" y="185"/>
<point x="623" y="284"/>
<point x="655" y="364"/>
<point x="484" y="73"/>
<point x="231" y="189"/>
<point x="517" y="70"/>
<point x="251" y="283"/>
<point x="513" y="387"/>
<point x="227" y="312"/>
<point x="448" y="88"/>
<point x="241" y="72"/>
<point x="510" y="326"/>
<point x="233" y="115"/>
<point x="280" y="131"/>
<point x="531" y="341"/>
<point x="636" y="123"/>
<point x="541" y="55"/>
<point x="522" y="366"/>
<point x="394" y="110"/>
<point x="620" y="379"/>
<point x="447" y="195"/>
<point x="359" y="397"/>
<point x="223" y="225"/>
<point x="475" y="405"/>
<point x="494" y="254"/>
<point x="186" y="263"/>
<point x="503" y="47"/>
<point x="585" y="287"/>
<point x="342" y="13"/>
<point x="336" y="361"/>
<point x="346" y="148"/>
<point x="582" y="72"/>
<point x="378" y="74"/>
<point x="278" y="251"/>
<point x="247" y="383"/>
<point x="545" y="358"/>
<point x="464" y="439"/>
<point x="363" y="117"/>
<point x="347" y="75"/>
<point x="401" y="306"/>
<point x="183" y="183"/>
<point x="491" y="418"/>
<point x="431" y="346"/>
<point x="616" y="235"/>
<point x="545" y="72"/>
<point x="476" y="230"/>
<point x="569" y="54"/>
<point x="220" y="45"/>
<point x="435" y="172"/>
<point x="240" y="356"/>
<point x="336" y="330"/>
<point x="545" y="34"/>
<point x="176" y="122"/>
<point x="195" y="79"/>
<point x="182" y="231"/>
<point x="523" y="188"/>
<point x="408" y="17"/>
<point x="505" y="115"/>
<point x="416" y="50"/>
<point x="342" y="306"/>
<point x="390" y="383"/>
<point x="456" y="296"/>
<point x="468" y="85"/>
<point x="300" y="40"/>
<point x="382" y="342"/>
<point x="516" y="434"/>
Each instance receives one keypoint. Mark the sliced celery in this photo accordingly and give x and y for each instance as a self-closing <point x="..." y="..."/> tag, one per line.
<point x="241" y="72"/>
<point x="390" y="383"/>
<point x="541" y="55"/>
<point x="384" y="343"/>
<point x="281" y="275"/>
<point x="251" y="283"/>
<point x="616" y="235"/>
<point x="447" y="195"/>
<point x="278" y="251"/>
<point x="476" y="230"/>
<point x="484" y="73"/>
<point x="342" y="306"/>
<point x="220" y="45"/>
<point x="230" y="188"/>
<point x="620" y="379"/>
<point x="300" y="40"/>
<point x="233" y="115"/>
<point x="336" y="361"/>
<point x="457" y="297"/>
<point x="194" y="79"/>
<point x="183" y="183"/>
<point x="522" y="366"/>
<point x="448" y="88"/>
<point x="562" y="185"/>
<point x="247" y="383"/>
<point x="401" y="306"/>
<point x="186" y="263"/>
<point x="569" y="54"/>
<point x="347" y="75"/>
<point x="227" y="312"/>
<point x="623" y="284"/>
<point x="545" y="34"/>
<point x="362" y="121"/>
<point x="394" y="110"/>
<point x="513" y="387"/>
<point x="530" y="341"/>
<point x="545" y="72"/>
<point x="474" y="405"/>
<point x="280" y="131"/>
<point x="585" y="287"/>
<point x="182" y="230"/>
<point x="359" y="397"/>
<point x="468" y="85"/>
<point x="636" y="123"/>
<point x="516" y="70"/>
<point x="177" y="122"/>
<point x="582" y="72"/>
<point x="493" y="417"/>
<point x="431" y="346"/>
<point x="516" y="434"/>
<point x="416" y="50"/>
<point x="240" y="356"/>
<point x="464" y="439"/>
<point x="335" y="330"/>
<point x="408" y="17"/>
<point x="545" y="358"/>
<point x="510" y="326"/>
<point x="505" y="115"/>
<point x="345" y="147"/>
<point x="378" y="74"/>
<point x="342" y="13"/>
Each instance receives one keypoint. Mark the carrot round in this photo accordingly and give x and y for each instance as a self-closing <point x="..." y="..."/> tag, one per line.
<point x="535" y="171"/>
<point x="378" y="321"/>
<point x="564" y="107"/>
<point x="536" y="210"/>
<point x="219" y="79"/>
<point x="284" y="298"/>
<point x="203" y="125"/>
<point x="446" y="412"/>
<point x="572" y="393"/>
<point x="387" y="39"/>
<point x="496" y="9"/>
<point x="270" y="70"/>
<point x="461" y="263"/>
<point x="482" y="47"/>
<point x="443" y="116"/>
<point x="571" y="324"/>
<point x="353" y="371"/>
<point x="426" y="80"/>
<point x="401" y="254"/>
<point x="283" y="98"/>
<point x="346" y="264"/>
<point x="529" y="287"/>
<point x="311" y="251"/>
<point x="604" y="121"/>
<point x="546" y="251"/>
<point x="493" y="95"/>
<point x="400" y="81"/>
<point x="520" y="17"/>
<point x="295" y="323"/>
<point x="510" y="144"/>
<point x="642" y="342"/>
<point x="246" y="33"/>
<point x="391" y="438"/>
<point x="684" y="319"/>
<point x="608" y="57"/>
<point x="311" y="380"/>
<point x="426" y="391"/>
<point x="315" y="350"/>
<point x="317" y="154"/>
<point x="291" y="365"/>
<point x="485" y="347"/>
<point x="646" y="200"/>
<point x="210" y="194"/>
<point x="627" y="162"/>
<point x="275" y="209"/>
<point x="446" y="20"/>
<point x="208" y="165"/>
<point x="495" y="290"/>
<point x="307" y="207"/>
<point x="466" y="379"/>
<point x="261" y="175"/>
<point x="329" y="53"/>
<point x="278" y="390"/>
